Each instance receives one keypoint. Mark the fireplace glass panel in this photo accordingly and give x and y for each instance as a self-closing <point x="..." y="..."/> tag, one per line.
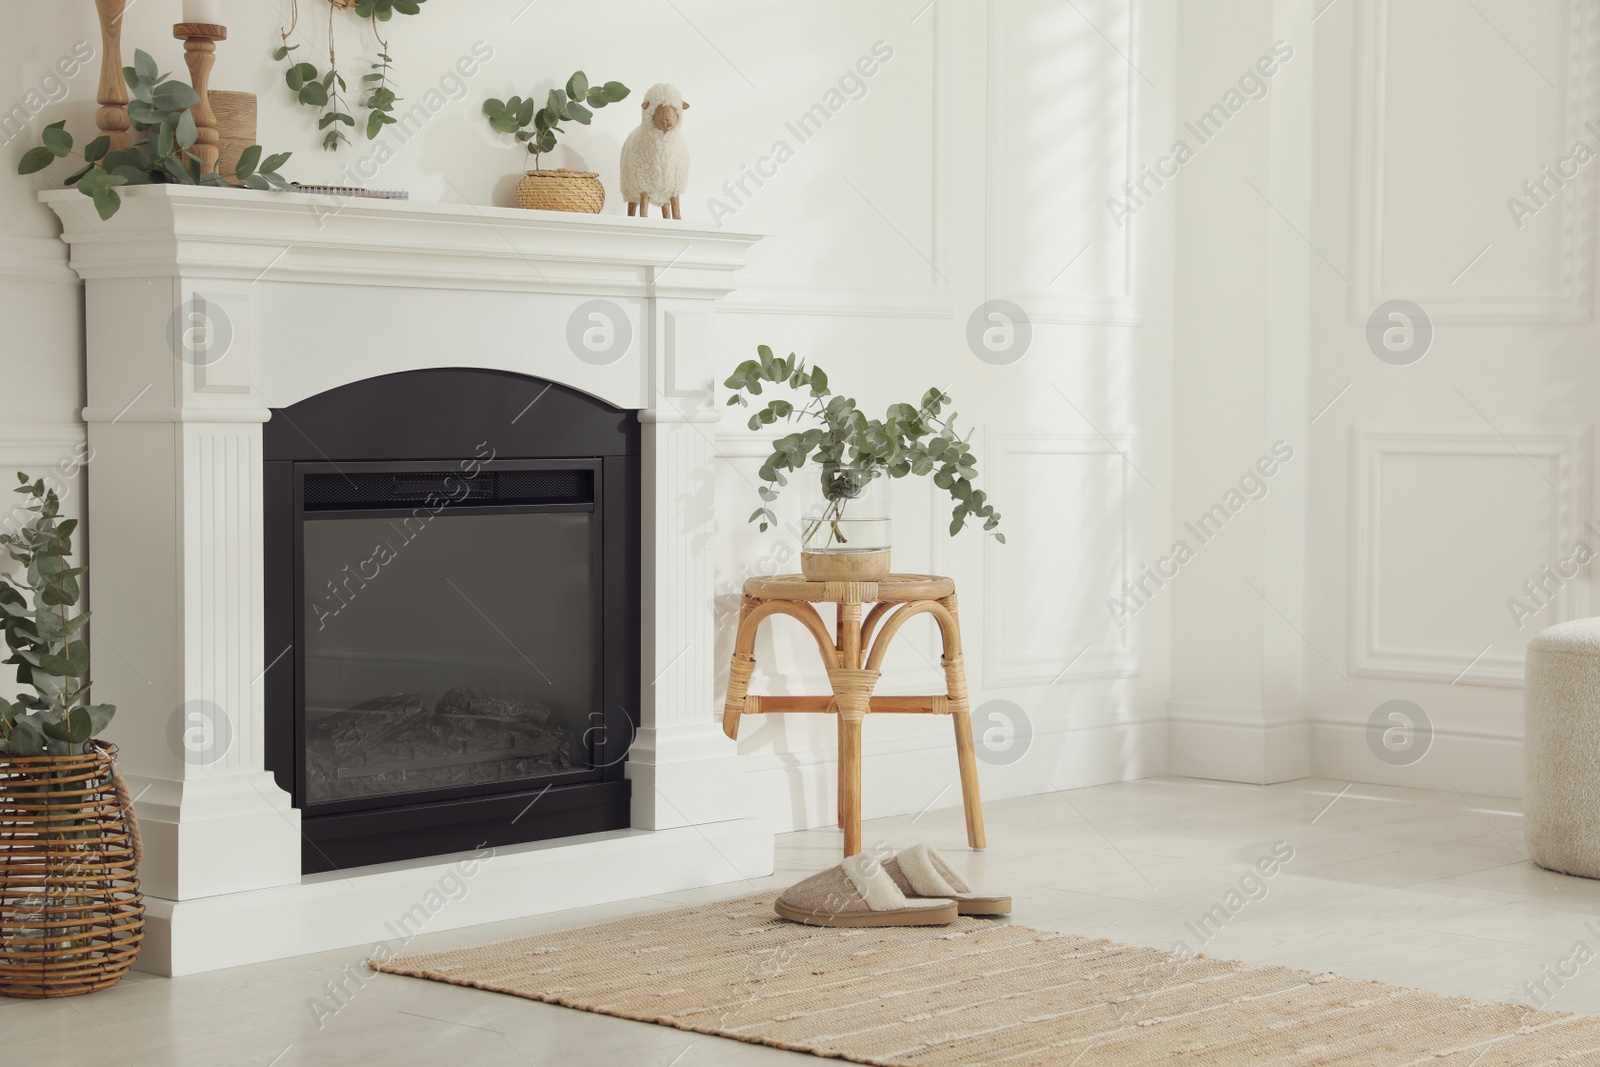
<point x="450" y="652"/>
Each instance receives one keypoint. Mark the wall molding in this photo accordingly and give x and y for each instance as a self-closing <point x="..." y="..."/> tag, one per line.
<point x="870" y="300"/>
<point x="1002" y="668"/>
<point x="43" y="444"/>
<point x="1573" y="300"/>
<point x="1044" y="305"/>
<point x="35" y="259"/>
<point x="1567" y="448"/>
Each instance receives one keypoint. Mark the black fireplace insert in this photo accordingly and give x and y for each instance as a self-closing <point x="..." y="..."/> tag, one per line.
<point x="452" y="613"/>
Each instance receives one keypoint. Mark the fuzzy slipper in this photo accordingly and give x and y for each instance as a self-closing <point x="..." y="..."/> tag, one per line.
<point x="858" y="893"/>
<point x="920" y="872"/>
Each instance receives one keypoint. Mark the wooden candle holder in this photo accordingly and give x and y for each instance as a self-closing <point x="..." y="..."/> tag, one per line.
<point x="200" y="53"/>
<point x="113" y="93"/>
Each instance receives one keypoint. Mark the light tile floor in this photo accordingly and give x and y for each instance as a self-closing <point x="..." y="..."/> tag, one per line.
<point x="1412" y="887"/>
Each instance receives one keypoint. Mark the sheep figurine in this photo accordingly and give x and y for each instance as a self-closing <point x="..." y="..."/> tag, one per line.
<point x="655" y="159"/>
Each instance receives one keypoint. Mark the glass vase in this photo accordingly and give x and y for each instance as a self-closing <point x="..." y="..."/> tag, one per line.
<point x="845" y="525"/>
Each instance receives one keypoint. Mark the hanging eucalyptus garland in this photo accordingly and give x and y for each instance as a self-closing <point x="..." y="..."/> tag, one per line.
<point x="327" y="89"/>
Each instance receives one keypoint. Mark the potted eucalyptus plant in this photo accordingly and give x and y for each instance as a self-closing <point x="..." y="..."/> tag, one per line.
<point x="538" y="127"/>
<point x="844" y="530"/>
<point x="69" y="846"/>
<point x="46" y="637"/>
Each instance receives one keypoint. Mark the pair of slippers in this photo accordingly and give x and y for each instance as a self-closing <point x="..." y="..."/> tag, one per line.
<point x="915" y="887"/>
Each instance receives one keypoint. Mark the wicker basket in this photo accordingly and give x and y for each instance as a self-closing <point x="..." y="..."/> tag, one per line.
<point x="70" y="907"/>
<point x="562" y="190"/>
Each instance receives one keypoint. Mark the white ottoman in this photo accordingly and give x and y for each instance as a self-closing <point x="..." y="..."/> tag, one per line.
<point x="1561" y="748"/>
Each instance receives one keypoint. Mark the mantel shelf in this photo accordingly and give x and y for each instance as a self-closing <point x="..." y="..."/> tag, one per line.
<point x="179" y="231"/>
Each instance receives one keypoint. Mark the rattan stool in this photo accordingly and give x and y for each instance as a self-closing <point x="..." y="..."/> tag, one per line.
<point x="853" y="659"/>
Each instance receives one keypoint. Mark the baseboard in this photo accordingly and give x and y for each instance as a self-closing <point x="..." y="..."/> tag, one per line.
<point x="1235" y="743"/>
<point x="1241" y="744"/>
<point x="1481" y="762"/>
<point x="377" y="910"/>
<point x="798" y="790"/>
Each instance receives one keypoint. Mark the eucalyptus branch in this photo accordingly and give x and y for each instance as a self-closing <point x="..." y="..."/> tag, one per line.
<point x="380" y="99"/>
<point x="316" y="88"/>
<point x="852" y="448"/>
<point x="163" y="132"/>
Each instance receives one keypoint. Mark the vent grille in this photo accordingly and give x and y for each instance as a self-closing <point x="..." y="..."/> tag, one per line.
<point x="395" y="489"/>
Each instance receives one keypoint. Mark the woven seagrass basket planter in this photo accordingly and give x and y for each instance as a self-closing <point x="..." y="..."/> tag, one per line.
<point x="70" y="907"/>
<point x="562" y="190"/>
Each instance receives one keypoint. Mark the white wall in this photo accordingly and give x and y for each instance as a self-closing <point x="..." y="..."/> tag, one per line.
<point x="1439" y="488"/>
<point x="975" y="164"/>
<point x="1422" y="496"/>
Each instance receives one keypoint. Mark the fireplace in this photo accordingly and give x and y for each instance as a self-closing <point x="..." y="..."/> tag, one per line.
<point x="468" y="314"/>
<point x="452" y="606"/>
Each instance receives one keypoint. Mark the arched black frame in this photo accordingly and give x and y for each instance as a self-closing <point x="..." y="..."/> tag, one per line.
<point x="419" y="420"/>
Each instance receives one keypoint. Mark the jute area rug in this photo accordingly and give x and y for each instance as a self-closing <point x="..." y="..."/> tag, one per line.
<point x="978" y="993"/>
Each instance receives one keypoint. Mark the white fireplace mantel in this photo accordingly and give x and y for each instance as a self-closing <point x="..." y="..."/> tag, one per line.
<point x="296" y="295"/>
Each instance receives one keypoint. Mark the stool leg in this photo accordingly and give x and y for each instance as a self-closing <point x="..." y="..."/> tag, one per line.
<point x="839" y="721"/>
<point x="955" y="673"/>
<point x="969" y="779"/>
<point x="740" y="668"/>
<point x="852" y="697"/>
<point x="850" y="784"/>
